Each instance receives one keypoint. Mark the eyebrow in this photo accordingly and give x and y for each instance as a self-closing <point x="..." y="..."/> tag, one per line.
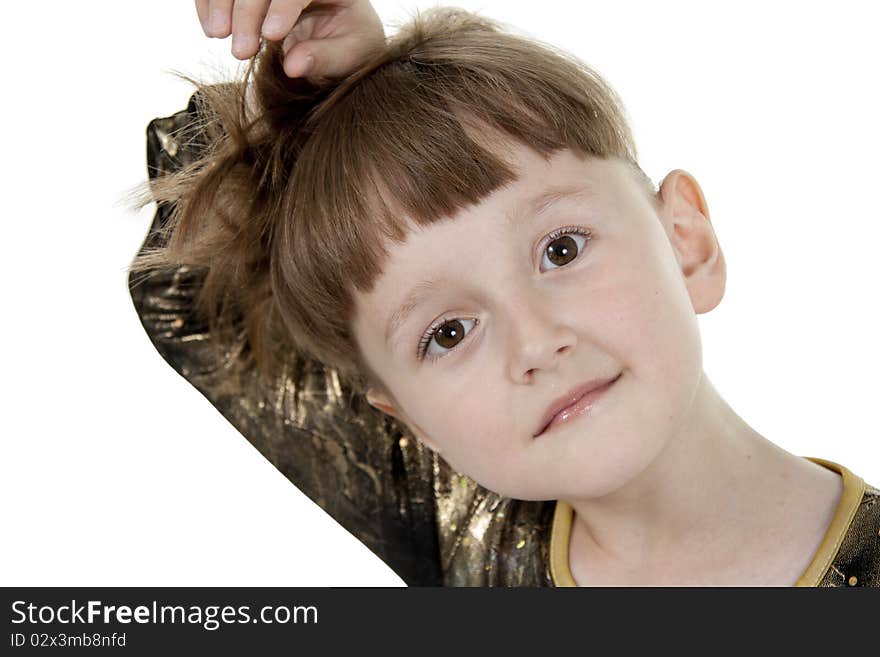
<point x="540" y="203"/>
<point x="533" y="207"/>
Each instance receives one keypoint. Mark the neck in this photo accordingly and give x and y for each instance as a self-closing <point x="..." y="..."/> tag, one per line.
<point x="707" y="489"/>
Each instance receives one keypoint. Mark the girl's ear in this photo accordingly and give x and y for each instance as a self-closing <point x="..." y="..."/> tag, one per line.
<point x="685" y="217"/>
<point x="380" y="400"/>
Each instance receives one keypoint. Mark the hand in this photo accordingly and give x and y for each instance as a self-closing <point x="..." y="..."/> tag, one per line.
<point x="328" y="38"/>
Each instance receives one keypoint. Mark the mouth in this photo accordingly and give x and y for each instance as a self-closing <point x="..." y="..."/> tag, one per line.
<point x="575" y="403"/>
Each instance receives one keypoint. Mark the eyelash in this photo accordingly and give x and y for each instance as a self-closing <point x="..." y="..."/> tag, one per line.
<point x="425" y="340"/>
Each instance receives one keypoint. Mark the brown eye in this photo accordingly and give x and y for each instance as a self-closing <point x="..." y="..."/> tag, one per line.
<point x="563" y="246"/>
<point x="562" y="251"/>
<point x="448" y="335"/>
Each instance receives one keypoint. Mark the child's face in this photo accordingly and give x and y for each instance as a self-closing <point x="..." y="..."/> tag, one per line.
<point x="548" y="321"/>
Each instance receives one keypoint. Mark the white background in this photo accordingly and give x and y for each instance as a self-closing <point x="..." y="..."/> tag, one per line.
<point x="772" y="106"/>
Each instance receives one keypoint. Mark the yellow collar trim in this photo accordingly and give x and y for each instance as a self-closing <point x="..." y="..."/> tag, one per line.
<point x="853" y="490"/>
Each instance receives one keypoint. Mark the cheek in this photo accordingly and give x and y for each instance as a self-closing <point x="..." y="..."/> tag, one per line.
<point x="648" y="322"/>
<point x="659" y="336"/>
<point x="468" y="426"/>
<point x="650" y="331"/>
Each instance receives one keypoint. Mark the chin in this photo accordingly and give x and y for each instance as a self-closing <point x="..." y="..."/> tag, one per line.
<point x="615" y="472"/>
<point x="521" y="488"/>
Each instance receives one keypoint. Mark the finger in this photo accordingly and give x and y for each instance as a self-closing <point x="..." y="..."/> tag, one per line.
<point x="219" y="18"/>
<point x="202" y="7"/>
<point x="331" y="57"/>
<point x="300" y="32"/>
<point x="298" y="61"/>
<point x="289" y="42"/>
<point x="281" y="17"/>
<point x="247" y="17"/>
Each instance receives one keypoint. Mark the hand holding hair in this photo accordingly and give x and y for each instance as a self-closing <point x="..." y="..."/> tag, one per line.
<point x="325" y="38"/>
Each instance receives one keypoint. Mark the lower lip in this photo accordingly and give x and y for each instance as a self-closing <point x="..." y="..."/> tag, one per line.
<point x="581" y="406"/>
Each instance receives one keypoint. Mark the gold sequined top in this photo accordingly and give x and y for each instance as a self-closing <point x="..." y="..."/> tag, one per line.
<point x="430" y="524"/>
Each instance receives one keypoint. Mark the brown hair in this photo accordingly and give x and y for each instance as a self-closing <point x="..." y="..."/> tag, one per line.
<point x="298" y="188"/>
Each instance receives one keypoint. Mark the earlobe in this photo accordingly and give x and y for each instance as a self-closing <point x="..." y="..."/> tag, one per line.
<point x="379" y="400"/>
<point x="685" y="216"/>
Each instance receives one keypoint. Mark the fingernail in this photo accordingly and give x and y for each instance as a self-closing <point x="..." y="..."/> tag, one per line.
<point x="241" y="42"/>
<point x="272" y="24"/>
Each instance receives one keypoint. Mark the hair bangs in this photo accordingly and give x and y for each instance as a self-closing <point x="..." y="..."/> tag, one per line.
<point x="337" y="174"/>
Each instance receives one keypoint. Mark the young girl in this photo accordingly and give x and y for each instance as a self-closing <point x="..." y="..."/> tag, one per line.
<point x="454" y="228"/>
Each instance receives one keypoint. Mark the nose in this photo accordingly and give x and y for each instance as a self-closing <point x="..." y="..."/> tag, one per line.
<point x="540" y="337"/>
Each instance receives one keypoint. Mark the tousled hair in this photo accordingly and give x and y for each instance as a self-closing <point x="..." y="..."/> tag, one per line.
<point x="300" y="184"/>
